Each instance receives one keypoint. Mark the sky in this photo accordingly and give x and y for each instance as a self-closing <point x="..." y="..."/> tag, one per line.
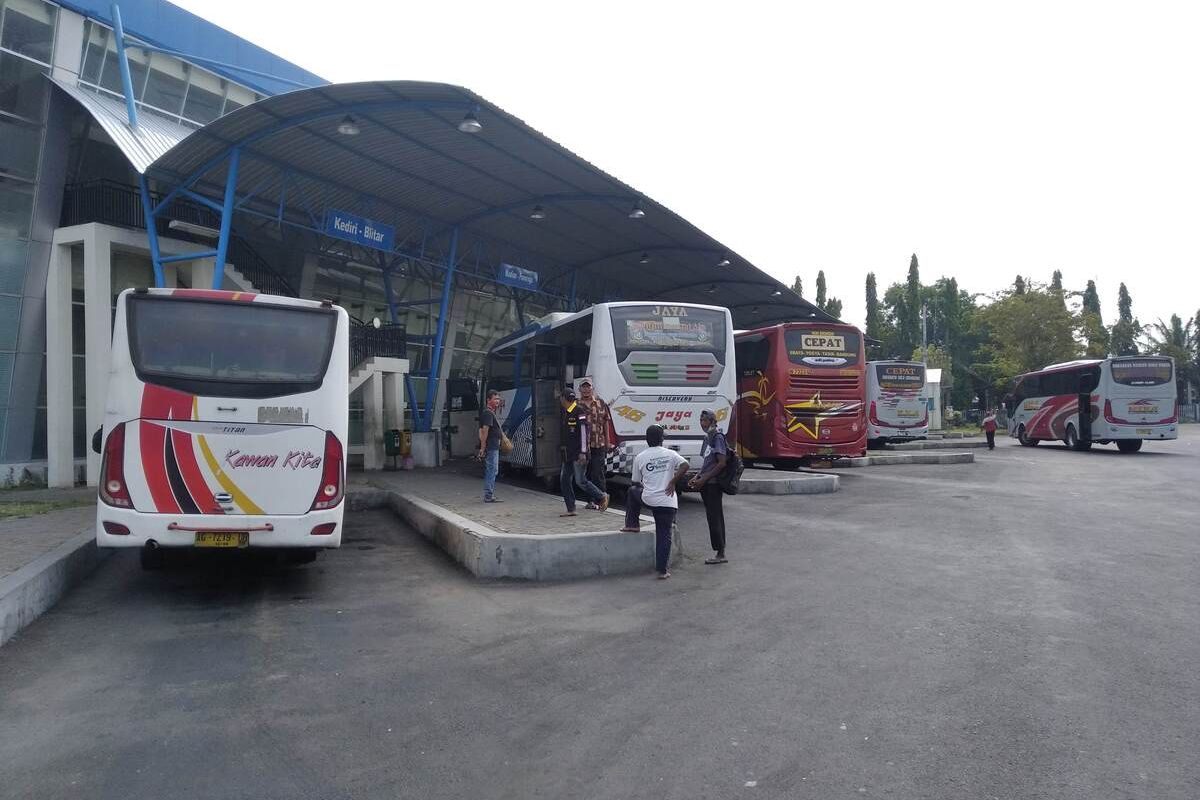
<point x="989" y="139"/>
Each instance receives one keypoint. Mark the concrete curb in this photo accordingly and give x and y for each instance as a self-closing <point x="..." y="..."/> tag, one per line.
<point x="953" y="444"/>
<point x="804" y="483"/>
<point x="962" y="457"/>
<point x="488" y="553"/>
<point x="33" y="589"/>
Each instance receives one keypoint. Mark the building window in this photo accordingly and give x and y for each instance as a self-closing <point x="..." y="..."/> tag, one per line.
<point x="22" y="87"/>
<point x="205" y="95"/>
<point x="166" y="84"/>
<point x="13" y="255"/>
<point x="27" y="27"/>
<point x="16" y="207"/>
<point x="19" y="154"/>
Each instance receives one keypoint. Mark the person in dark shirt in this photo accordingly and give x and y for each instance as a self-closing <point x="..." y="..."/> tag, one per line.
<point x="489" y="445"/>
<point x="573" y="443"/>
<point x="715" y="451"/>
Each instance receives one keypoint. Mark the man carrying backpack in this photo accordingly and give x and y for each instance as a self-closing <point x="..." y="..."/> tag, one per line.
<point x="715" y="452"/>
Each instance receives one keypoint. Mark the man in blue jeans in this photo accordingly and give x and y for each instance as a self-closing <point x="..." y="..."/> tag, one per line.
<point x="574" y="448"/>
<point x="489" y="445"/>
<point x="656" y="470"/>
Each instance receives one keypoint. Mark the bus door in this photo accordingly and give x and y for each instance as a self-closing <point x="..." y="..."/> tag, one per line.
<point x="1089" y="379"/>
<point x="547" y="413"/>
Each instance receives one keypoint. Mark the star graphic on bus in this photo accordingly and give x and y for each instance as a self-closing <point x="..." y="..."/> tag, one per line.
<point x="808" y="412"/>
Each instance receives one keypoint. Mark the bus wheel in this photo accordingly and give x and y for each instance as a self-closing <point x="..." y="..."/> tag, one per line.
<point x="1025" y="439"/>
<point x="1074" y="442"/>
<point x="1129" y="445"/>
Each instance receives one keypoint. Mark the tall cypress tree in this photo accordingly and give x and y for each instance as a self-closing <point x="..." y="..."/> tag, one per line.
<point x="821" y="293"/>
<point x="798" y="286"/>
<point x="1092" y="323"/>
<point x="1056" y="287"/>
<point x="1125" y="331"/>
<point x="911" y="323"/>
<point x="874" y="313"/>
<point x="1019" y="285"/>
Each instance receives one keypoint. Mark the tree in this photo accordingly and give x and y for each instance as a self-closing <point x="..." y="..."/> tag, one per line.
<point x="1056" y="286"/>
<point x="798" y="286"/>
<point x="1091" y="323"/>
<point x="1020" y="333"/>
<point x="878" y="327"/>
<point x="821" y="289"/>
<point x="834" y="308"/>
<point x="1126" y="330"/>
<point x="1177" y="340"/>
<point x="1019" y="285"/>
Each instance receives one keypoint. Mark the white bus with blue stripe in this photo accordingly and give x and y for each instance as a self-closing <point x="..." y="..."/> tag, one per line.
<point x="653" y="363"/>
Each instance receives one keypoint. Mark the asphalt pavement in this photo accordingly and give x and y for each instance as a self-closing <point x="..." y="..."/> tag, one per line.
<point x="1021" y="627"/>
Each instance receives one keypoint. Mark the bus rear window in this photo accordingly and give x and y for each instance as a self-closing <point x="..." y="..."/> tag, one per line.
<point x="822" y="348"/>
<point x="668" y="328"/>
<point x="1142" y="372"/>
<point x="229" y="348"/>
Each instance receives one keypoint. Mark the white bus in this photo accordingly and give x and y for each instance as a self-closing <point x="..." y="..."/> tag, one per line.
<point x="652" y="363"/>
<point x="225" y="424"/>
<point x="1125" y="400"/>
<point x="896" y="406"/>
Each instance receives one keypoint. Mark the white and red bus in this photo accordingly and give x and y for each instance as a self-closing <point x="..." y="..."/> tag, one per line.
<point x="1125" y="400"/>
<point x="896" y="407"/>
<point x="225" y="423"/>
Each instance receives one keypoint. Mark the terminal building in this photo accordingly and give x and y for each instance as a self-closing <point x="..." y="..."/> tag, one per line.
<point x="141" y="145"/>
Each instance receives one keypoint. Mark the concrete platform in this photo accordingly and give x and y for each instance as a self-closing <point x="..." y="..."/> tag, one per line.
<point x="523" y="538"/>
<point x="41" y="558"/>
<point x="936" y="444"/>
<point x="892" y="459"/>
<point x="771" y="481"/>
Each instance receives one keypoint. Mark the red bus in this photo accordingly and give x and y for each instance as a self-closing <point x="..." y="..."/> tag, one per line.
<point x="800" y="393"/>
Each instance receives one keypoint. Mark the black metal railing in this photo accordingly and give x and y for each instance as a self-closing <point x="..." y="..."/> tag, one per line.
<point x="366" y="341"/>
<point x="115" y="203"/>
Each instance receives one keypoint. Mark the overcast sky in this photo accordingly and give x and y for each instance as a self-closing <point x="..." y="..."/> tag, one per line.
<point x="990" y="139"/>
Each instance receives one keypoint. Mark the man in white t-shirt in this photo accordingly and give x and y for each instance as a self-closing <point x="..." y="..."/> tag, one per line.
<point x="655" y="471"/>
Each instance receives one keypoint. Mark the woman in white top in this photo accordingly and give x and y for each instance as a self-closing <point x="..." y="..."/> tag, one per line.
<point x="655" y="472"/>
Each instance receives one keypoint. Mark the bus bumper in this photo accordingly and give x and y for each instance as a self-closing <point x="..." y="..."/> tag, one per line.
<point x="180" y="530"/>
<point x="1109" y="432"/>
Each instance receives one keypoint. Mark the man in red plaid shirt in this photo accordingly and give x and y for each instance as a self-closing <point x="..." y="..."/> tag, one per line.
<point x="598" y="444"/>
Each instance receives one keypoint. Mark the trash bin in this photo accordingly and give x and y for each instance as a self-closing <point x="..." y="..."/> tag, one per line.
<point x="393" y="443"/>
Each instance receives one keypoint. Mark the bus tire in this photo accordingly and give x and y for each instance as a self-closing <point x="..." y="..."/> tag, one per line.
<point x="1073" y="441"/>
<point x="1129" y="445"/>
<point x="1025" y="439"/>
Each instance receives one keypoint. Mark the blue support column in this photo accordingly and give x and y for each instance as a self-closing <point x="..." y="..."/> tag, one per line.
<point x="389" y="293"/>
<point x="226" y="218"/>
<point x="435" y="357"/>
<point x="151" y="233"/>
<point x="123" y="63"/>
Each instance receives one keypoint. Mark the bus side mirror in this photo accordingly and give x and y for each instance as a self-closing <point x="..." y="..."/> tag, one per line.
<point x="96" y="437"/>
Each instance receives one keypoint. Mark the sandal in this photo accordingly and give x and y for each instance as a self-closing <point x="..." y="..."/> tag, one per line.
<point x="568" y="514"/>
<point x="716" y="560"/>
<point x="604" y="503"/>
<point x="631" y="530"/>
<point x="662" y="576"/>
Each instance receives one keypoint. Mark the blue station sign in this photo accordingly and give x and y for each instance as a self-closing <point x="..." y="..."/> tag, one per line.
<point x="360" y="230"/>
<point x="518" y="277"/>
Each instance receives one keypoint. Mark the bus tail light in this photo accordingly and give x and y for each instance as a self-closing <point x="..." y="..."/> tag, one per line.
<point x="332" y="488"/>
<point x="324" y="529"/>
<point x="874" y="414"/>
<point x="115" y="529"/>
<point x="113" y="490"/>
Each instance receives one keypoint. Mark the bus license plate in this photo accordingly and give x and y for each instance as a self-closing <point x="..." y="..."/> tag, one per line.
<point x="1144" y="432"/>
<point x="222" y="539"/>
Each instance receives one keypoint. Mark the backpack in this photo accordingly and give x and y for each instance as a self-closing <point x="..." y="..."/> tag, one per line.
<point x="730" y="478"/>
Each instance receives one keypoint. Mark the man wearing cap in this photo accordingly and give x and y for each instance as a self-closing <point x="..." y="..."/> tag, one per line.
<point x="574" y="447"/>
<point x="598" y="444"/>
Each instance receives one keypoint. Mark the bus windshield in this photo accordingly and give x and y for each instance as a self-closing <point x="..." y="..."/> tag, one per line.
<point x="1142" y="371"/>
<point x="668" y="328"/>
<point x="822" y="348"/>
<point x="229" y="349"/>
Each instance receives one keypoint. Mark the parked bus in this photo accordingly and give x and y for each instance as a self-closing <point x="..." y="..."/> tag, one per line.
<point x="1125" y="400"/>
<point x="800" y="393"/>
<point x="896" y="407"/>
<point x="652" y="363"/>
<point x="225" y="424"/>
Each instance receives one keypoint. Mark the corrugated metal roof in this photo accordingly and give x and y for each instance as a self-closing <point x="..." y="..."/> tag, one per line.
<point x="154" y="136"/>
<point x="411" y="167"/>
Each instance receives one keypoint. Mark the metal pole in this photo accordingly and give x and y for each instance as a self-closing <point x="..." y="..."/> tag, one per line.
<point x="151" y="233"/>
<point x="924" y="337"/>
<point x="226" y="218"/>
<point x="123" y="62"/>
<point x="435" y="357"/>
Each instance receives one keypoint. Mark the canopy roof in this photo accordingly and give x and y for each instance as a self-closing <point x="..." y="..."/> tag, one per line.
<point x="411" y="167"/>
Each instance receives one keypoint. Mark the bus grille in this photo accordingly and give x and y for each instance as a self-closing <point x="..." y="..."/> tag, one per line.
<point x="812" y="384"/>
<point x="672" y="373"/>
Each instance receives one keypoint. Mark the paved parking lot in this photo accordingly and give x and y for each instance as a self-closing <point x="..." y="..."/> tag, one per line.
<point x="1023" y="627"/>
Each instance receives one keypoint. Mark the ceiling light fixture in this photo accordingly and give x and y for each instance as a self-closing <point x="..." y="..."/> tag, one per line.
<point x="537" y="214"/>
<point x="348" y="127"/>
<point x="645" y="259"/>
<point x="470" y="123"/>
<point x="712" y="288"/>
<point x="636" y="212"/>
<point x="777" y="293"/>
<point x="194" y="229"/>
<point x="724" y="262"/>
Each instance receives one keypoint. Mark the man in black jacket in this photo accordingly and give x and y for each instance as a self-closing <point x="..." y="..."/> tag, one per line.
<point x="574" y="448"/>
